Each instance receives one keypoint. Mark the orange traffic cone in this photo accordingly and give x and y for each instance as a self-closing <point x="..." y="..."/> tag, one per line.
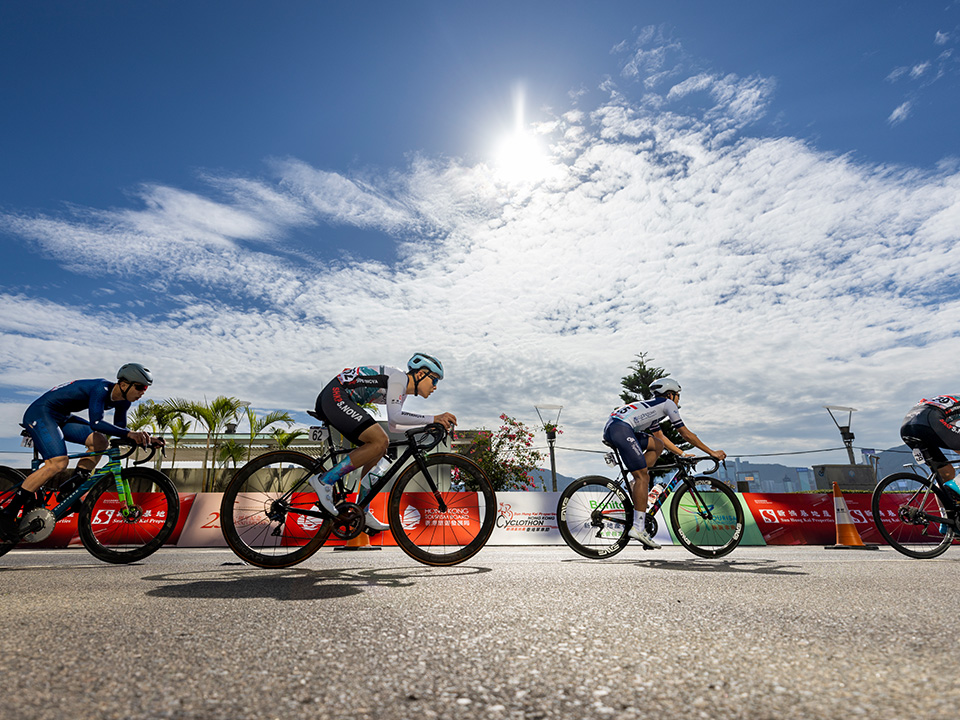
<point x="847" y="536"/>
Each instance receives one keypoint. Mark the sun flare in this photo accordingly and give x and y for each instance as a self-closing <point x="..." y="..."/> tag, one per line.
<point x="520" y="157"/>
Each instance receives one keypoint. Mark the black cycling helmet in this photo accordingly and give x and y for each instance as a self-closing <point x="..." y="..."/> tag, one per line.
<point x="135" y="373"/>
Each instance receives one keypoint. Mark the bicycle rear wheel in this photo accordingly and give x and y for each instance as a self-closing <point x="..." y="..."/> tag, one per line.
<point x="437" y="535"/>
<point x="707" y="517"/>
<point x="10" y="480"/>
<point x="903" y="504"/>
<point x="258" y="513"/>
<point x="110" y="536"/>
<point x="594" y="514"/>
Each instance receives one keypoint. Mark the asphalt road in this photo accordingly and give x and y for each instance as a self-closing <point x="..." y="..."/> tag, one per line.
<point x="514" y="633"/>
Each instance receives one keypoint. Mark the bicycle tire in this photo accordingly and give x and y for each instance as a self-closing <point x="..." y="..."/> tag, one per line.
<point x="708" y="522"/>
<point x="594" y="514"/>
<point x="10" y="480"/>
<point x="109" y="536"/>
<point x="905" y="496"/>
<point x="257" y="526"/>
<point x="430" y="535"/>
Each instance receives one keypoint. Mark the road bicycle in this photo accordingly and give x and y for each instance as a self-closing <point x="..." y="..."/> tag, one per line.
<point x="595" y="513"/>
<point x="441" y="508"/>
<point x="916" y="514"/>
<point x="124" y="513"/>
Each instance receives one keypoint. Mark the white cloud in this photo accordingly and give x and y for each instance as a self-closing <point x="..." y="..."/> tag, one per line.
<point x="771" y="278"/>
<point x="900" y="113"/>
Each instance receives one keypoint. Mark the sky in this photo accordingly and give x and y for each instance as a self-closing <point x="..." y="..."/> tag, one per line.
<point x="248" y="197"/>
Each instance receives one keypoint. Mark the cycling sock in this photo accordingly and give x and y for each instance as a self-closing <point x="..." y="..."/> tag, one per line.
<point x="640" y="519"/>
<point x="337" y="471"/>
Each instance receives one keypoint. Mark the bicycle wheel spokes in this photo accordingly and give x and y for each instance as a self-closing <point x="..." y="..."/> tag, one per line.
<point x="908" y="513"/>
<point x="114" y="532"/>
<point x="446" y="516"/>
<point x="592" y="515"/>
<point x="708" y="518"/>
<point x="260" y="512"/>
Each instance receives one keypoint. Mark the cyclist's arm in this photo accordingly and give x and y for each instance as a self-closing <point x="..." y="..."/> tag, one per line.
<point x="397" y="417"/>
<point x="98" y="399"/>
<point x="691" y="438"/>
<point x="666" y="443"/>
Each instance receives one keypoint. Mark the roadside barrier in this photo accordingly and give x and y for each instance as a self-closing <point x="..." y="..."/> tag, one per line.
<point x="847" y="536"/>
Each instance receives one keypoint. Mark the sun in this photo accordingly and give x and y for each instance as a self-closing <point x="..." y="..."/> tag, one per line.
<point x="521" y="158"/>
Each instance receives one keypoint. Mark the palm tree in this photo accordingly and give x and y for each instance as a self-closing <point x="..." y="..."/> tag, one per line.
<point x="179" y="427"/>
<point x="259" y="424"/>
<point x="283" y="439"/>
<point x="229" y="453"/>
<point x="213" y="416"/>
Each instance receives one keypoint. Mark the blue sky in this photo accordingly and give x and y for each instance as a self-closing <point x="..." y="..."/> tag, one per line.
<point x="249" y="196"/>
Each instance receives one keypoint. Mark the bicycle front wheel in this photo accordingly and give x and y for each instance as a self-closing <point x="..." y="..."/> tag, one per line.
<point x="446" y="516"/>
<point x="259" y="512"/>
<point x="907" y="510"/>
<point x="707" y="517"/>
<point x="10" y="480"/>
<point x="116" y="534"/>
<point x="593" y="515"/>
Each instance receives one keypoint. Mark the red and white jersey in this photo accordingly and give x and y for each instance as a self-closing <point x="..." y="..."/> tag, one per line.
<point x="950" y="404"/>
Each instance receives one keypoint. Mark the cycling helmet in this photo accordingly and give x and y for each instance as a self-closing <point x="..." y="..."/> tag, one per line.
<point x="421" y="361"/>
<point x="664" y="386"/>
<point x="135" y="373"/>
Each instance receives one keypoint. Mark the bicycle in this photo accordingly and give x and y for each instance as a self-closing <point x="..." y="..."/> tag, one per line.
<point x="595" y="513"/>
<point x="441" y="509"/>
<point x="916" y="515"/>
<point x="125" y="514"/>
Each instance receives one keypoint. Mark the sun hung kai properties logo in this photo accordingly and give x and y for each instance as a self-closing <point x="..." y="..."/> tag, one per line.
<point x="516" y="521"/>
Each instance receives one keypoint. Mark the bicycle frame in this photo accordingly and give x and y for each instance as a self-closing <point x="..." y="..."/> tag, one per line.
<point x="411" y="449"/>
<point x="682" y="477"/>
<point x="112" y="468"/>
<point x="952" y="505"/>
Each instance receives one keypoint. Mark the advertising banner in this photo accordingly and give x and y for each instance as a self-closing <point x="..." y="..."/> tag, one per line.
<point x="808" y="519"/>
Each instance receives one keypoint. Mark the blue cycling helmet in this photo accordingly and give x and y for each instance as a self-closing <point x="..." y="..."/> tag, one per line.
<point x="422" y="361"/>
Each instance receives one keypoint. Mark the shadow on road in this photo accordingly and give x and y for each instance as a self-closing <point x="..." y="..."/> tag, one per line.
<point x="294" y="583"/>
<point x="752" y="566"/>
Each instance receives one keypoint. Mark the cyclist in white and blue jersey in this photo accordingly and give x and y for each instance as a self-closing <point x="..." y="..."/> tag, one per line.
<point x="634" y="430"/>
<point x="51" y="423"/>
<point x="339" y="405"/>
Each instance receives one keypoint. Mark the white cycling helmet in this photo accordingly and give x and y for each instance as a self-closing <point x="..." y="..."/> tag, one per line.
<point x="664" y="386"/>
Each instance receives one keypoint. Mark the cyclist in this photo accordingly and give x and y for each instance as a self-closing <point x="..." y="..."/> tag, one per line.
<point x="50" y="422"/>
<point x="634" y="430"/>
<point x="339" y="405"/>
<point x="928" y="427"/>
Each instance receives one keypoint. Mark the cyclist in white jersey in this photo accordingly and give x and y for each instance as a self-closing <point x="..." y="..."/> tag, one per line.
<point x="634" y="430"/>
<point x="339" y="405"/>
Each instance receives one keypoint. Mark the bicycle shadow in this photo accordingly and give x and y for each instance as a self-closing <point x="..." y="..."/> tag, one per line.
<point x="294" y="584"/>
<point x="705" y="565"/>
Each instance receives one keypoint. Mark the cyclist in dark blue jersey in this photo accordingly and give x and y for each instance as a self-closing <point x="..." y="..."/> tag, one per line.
<point x="51" y="424"/>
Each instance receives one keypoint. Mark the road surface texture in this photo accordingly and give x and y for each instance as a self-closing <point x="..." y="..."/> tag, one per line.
<point x="532" y="632"/>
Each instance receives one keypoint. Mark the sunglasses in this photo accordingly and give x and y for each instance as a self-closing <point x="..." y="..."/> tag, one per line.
<point x="434" y="379"/>
<point x="139" y="387"/>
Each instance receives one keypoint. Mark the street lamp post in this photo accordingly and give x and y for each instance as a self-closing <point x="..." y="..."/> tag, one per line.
<point x="551" y="430"/>
<point x="845" y="434"/>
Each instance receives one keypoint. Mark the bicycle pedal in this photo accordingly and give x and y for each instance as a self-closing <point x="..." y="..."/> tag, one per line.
<point x="372" y="533"/>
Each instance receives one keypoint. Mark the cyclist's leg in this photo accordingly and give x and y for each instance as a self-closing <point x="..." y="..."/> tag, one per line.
<point x="95" y="442"/>
<point x="927" y="431"/>
<point x="632" y="447"/>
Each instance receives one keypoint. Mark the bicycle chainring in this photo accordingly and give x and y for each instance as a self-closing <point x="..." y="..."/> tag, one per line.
<point x="651" y="526"/>
<point x="46" y="522"/>
<point x="350" y="522"/>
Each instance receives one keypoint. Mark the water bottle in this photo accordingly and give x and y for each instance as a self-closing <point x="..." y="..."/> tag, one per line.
<point x="953" y="486"/>
<point x="655" y="493"/>
<point x="377" y="472"/>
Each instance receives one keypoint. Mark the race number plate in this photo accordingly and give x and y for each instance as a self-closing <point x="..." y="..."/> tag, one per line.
<point x="918" y="456"/>
<point x="319" y="433"/>
<point x="26" y="441"/>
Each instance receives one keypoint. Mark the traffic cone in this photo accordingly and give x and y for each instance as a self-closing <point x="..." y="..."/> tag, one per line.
<point x="847" y="536"/>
